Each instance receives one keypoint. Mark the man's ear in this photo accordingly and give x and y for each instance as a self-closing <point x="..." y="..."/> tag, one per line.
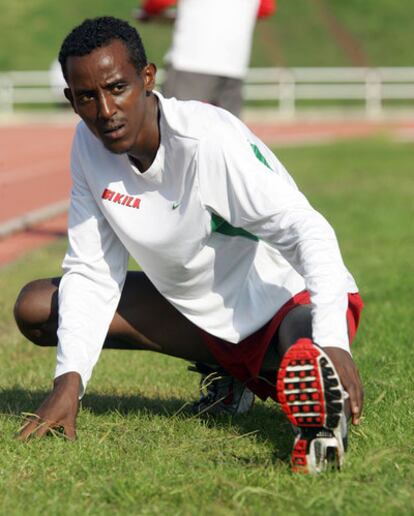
<point x="148" y="74"/>
<point x="68" y="94"/>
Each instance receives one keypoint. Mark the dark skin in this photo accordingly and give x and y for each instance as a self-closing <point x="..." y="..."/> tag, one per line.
<point x="116" y="103"/>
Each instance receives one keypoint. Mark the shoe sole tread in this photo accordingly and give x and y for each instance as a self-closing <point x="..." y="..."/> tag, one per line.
<point x="310" y="394"/>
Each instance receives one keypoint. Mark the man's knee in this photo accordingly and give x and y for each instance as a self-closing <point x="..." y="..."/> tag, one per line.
<point x="35" y="311"/>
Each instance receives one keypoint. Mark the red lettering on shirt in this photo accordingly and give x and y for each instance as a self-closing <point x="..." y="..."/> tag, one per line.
<point x="120" y="198"/>
<point x="107" y="194"/>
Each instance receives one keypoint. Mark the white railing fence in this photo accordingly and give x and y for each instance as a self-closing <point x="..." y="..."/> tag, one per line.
<point x="284" y="87"/>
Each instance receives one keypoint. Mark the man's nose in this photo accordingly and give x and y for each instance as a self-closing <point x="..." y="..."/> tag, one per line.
<point x="106" y="106"/>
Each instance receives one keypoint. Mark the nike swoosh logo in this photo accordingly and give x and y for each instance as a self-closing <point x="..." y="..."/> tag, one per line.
<point x="176" y="205"/>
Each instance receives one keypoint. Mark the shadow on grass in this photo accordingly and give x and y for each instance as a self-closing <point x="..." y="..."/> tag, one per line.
<point x="266" y="421"/>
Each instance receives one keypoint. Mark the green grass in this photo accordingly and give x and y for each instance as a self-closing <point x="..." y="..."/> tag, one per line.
<point x="382" y="27"/>
<point x="35" y="29"/>
<point x="135" y="455"/>
<point x="32" y="31"/>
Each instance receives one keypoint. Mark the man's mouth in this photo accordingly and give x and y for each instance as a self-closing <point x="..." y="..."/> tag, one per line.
<point x="114" y="131"/>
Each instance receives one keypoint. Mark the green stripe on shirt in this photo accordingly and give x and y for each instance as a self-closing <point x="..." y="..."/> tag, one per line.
<point x="259" y="155"/>
<point x="219" y="225"/>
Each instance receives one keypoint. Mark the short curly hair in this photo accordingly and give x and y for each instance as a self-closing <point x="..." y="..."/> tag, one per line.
<point x="99" y="32"/>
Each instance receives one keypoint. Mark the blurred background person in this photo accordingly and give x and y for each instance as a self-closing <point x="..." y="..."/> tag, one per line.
<point x="210" y="50"/>
<point x="57" y="84"/>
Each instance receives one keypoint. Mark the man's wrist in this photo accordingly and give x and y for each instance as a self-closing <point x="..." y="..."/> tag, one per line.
<point x="70" y="381"/>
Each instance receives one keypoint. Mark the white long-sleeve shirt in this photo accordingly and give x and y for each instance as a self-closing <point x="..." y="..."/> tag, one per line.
<point x="216" y="223"/>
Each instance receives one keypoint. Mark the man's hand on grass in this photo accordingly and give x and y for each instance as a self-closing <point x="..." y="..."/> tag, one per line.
<point x="58" y="410"/>
<point x="350" y="379"/>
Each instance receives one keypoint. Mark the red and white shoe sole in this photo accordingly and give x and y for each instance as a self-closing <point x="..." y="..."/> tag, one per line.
<point x="310" y="394"/>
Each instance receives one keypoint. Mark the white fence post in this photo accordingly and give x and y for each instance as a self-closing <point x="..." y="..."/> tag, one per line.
<point x="6" y="94"/>
<point x="286" y="93"/>
<point x="373" y="94"/>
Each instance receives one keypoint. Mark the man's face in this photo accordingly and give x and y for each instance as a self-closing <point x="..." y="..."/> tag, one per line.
<point x="108" y="93"/>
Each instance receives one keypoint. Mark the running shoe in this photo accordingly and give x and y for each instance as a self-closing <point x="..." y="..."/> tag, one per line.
<point x="220" y="393"/>
<point x="311" y="395"/>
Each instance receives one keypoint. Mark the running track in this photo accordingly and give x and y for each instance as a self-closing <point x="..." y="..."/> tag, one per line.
<point x="35" y="179"/>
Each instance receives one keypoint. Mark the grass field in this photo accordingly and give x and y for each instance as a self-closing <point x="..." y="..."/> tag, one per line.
<point x="298" y="35"/>
<point x="382" y="27"/>
<point x="138" y="453"/>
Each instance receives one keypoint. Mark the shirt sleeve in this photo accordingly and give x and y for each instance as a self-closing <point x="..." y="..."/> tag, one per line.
<point x="95" y="268"/>
<point x="238" y="184"/>
<point x="266" y="8"/>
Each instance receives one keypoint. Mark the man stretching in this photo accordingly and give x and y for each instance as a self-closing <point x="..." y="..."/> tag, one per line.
<point x="239" y="273"/>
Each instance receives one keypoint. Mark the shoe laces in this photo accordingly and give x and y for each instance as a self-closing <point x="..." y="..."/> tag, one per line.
<point x="215" y="384"/>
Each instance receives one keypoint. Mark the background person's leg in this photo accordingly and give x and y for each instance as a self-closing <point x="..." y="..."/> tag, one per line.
<point x="228" y="94"/>
<point x="189" y="86"/>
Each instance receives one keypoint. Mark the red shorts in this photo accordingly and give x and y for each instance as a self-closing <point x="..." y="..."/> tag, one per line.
<point x="245" y="359"/>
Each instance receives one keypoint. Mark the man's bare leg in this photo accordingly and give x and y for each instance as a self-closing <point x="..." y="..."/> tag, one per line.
<point x="143" y="320"/>
<point x="309" y="387"/>
<point x="297" y="324"/>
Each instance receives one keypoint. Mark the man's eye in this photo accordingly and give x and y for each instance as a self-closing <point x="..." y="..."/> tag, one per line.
<point x="118" y="88"/>
<point x="86" y="97"/>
